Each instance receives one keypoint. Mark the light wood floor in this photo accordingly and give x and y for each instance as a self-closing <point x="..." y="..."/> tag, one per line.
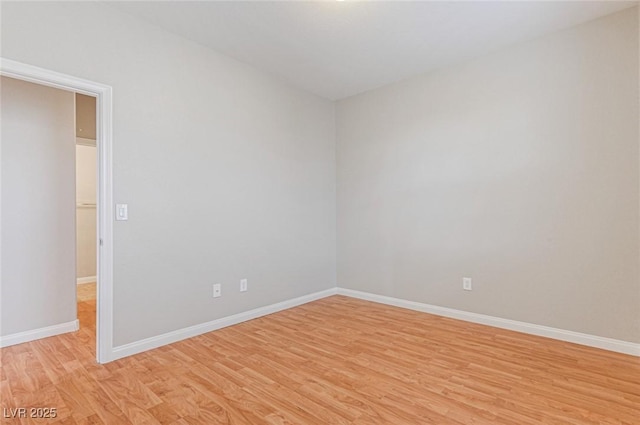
<point x="334" y="361"/>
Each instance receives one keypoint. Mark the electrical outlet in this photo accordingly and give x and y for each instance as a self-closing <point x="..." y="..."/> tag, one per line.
<point x="243" y="285"/>
<point x="466" y="283"/>
<point x="217" y="290"/>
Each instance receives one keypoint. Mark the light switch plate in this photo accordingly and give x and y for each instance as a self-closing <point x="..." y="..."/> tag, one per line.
<point x="122" y="212"/>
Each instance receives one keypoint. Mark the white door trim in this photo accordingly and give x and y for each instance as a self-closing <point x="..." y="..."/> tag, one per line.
<point x="103" y="95"/>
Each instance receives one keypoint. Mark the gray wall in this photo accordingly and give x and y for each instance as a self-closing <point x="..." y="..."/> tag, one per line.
<point x="38" y="207"/>
<point x="228" y="172"/>
<point x="518" y="169"/>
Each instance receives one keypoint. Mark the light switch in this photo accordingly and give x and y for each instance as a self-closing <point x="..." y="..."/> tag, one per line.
<point x="122" y="212"/>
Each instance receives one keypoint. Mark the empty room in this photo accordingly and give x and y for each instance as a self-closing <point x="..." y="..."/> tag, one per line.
<point x="320" y="212"/>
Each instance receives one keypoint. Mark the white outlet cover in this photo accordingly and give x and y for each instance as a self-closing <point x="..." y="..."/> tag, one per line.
<point x="243" y="285"/>
<point x="466" y="283"/>
<point x="217" y="290"/>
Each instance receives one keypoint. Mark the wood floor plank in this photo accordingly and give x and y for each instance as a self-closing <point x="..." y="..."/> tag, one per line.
<point x="334" y="361"/>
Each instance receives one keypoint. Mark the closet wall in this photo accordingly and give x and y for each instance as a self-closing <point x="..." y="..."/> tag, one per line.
<point x="85" y="188"/>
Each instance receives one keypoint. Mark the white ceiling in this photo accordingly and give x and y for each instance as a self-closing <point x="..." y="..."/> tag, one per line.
<point x="340" y="48"/>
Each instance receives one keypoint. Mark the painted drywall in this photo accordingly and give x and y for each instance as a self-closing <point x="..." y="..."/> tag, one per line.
<point x="85" y="211"/>
<point x="518" y="169"/>
<point x="38" y="207"/>
<point x="228" y="172"/>
<point x="85" y="116"/>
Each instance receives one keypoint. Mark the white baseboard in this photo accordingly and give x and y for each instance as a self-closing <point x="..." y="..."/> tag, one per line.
<point x="195" y="330"/>
<point x="88" y="279"/>
<point x="26" y="336"/>
<point x="528" y="328"/>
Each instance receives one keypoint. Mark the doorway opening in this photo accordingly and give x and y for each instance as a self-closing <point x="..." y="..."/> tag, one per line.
<point x="86" y="212"/>
<point x="101" y="94"/>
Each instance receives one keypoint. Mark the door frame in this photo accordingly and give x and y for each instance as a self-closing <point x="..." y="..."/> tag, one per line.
<point x="105" y="212"/>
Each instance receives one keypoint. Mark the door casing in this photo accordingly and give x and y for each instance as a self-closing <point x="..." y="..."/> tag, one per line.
<point x="105" y="210"/>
